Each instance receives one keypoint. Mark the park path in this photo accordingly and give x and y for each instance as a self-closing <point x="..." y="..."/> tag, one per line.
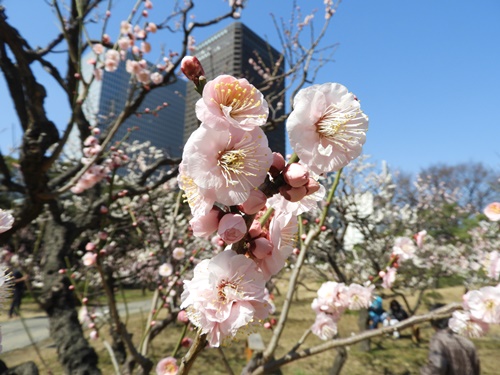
<point x="14" y="336"/>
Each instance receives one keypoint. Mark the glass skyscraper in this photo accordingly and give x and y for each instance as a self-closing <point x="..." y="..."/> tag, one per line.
<point x="165" y="131"/>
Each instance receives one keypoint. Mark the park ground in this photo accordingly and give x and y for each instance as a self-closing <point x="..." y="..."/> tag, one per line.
<point x="387" y="355"/>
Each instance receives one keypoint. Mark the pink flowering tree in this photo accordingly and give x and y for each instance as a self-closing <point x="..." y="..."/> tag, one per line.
<point x="207" y="232"/>
<point x="111" y="205"/>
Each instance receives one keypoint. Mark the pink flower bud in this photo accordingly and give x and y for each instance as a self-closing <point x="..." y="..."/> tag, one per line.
<point x="255" y="202"/>
<point x="278" y="164"/>
<point x="267" y="325"/>
<point x="85" y="300"/>
<point x="62" y="271"/>
<point x="91" y="325"/>
<point x="187" y="342"/>
<point x="90" y="246"/>
<point x="296" y="175"/>
<point x="89" y="259"/>
<point x="182" y="317"/>
<point x="255" y="230"/>
<point x="104" y="210"/>
<point x="232" y="228"/>
<point x="323" y="228"/>
<point x="103" y="235"/>
<point x="296" y="251"/>
<point x="94" y="335"/>
<point x="192" y="69"/>
<point x="303" y="237"/>
<point x="71" y="287"/>
<point x="312" y="186"/>
<point x="261" y="247"/>
<point x="293" y="194"/>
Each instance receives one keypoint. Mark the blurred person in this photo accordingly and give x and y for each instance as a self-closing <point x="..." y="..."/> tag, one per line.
<point x="18" y="282"/>
<point x="449" y="353"/>
<point x="376" y="313"/>
<point x="395" y="315"/>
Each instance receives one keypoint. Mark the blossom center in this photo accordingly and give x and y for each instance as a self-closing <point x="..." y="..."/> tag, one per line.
<point x="237" y="164"/>
<point x="332" y="125"/>
<point x="225" y="289"/>
<point x="239" y="99"/>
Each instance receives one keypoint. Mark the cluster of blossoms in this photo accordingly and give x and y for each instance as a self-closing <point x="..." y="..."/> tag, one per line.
<point x="333" y="299"/>
<point x="404" y="249"/>
<point x="480" y="309"/>
<point x="236" y="186"/>
<point x="97" y="172"/>
<point x="132" y="41"/>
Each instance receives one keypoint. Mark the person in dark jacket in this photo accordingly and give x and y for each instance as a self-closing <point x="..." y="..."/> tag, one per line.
<point x="18" y="281"/>
<point x="449" y="353"/>
<point x="396" y="314"/>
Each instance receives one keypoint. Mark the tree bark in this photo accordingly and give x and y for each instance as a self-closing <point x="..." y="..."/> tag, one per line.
<point x="339" y="361"/>
<point x="75" y="354"/>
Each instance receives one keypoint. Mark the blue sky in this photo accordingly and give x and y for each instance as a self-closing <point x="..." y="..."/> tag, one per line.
<point x="427" y="72"/>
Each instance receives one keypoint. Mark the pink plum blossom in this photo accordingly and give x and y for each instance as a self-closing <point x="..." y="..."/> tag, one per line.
<point x="165" y="270"/>
<point x="230" y="101"/>
<point x="89" y="259"/>
<point x="484" y="304"/>
<point x="156" y="78"/>
<point x="283" y="236"/>
<point x="205" y="225"/>
<point x="111" y="61"/>
<point x="178" y="253"/>
<point x="359" y="296"/>
<point x="462" y="323"/>
<point x="493" y="264"/>
<point x="325" y="326"/>
<point x="232" y="228"/>
<point x="388" y="277"/>
<point x="125" y="28"/>
<point x="404" y="248"/>
<point x="6" y="221"/>
<point x="492" y="211"/>
<point x="98" y="48"/>
<point x="200" y="200"/>
<point x="228" y="163"/>
<point x="167" y="366"/>
<point x="419" y="238"/>
<point x="226" y="294"/>
<point x="326" y="128"/>
<point x="333" y="299"/>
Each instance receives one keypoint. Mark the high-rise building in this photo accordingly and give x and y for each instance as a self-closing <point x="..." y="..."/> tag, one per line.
<point x="238" y="51"/>
<point x="164" y="130"/>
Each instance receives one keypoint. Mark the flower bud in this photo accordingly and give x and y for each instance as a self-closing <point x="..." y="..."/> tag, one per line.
<point x="296" y="175"/>
<point x="293" y="194"/>
<point x="192" y="69"/>
<point x="232" y="228"/>
<point x="278" y="164"/>
<point x="312" y="186"/>
<point x="255" y="202"/>
<point x="261" y="247"/>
